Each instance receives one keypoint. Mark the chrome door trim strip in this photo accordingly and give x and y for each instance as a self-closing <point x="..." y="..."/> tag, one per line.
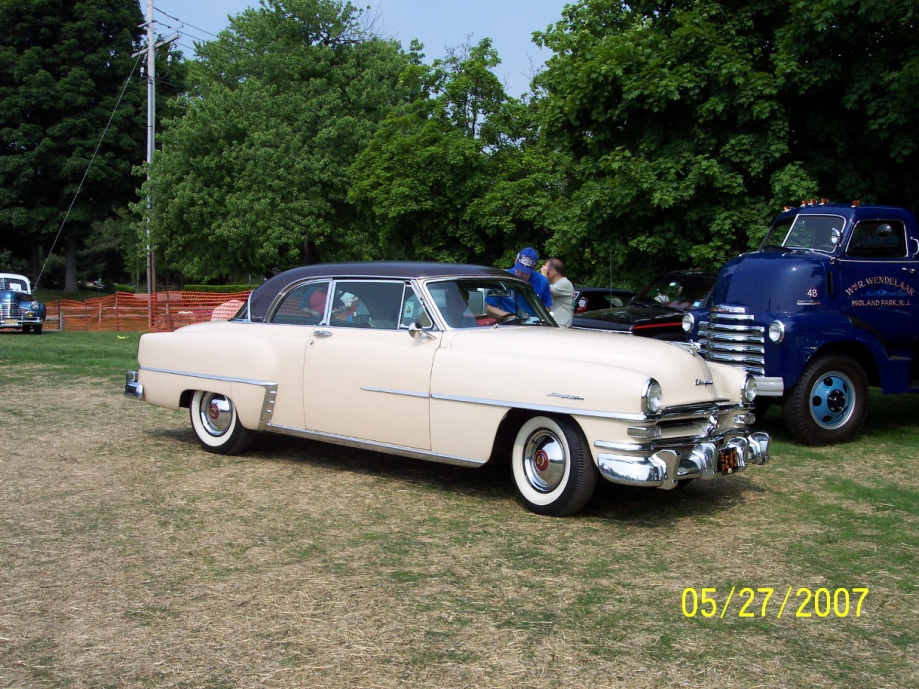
<point x="540" y="407"/>
<point x="406" y="393"/>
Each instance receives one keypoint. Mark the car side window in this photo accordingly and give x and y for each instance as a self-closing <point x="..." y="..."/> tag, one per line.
<point x="303" y="305"/>
<point x="367" y="304"/>
<point x="877" y="239"/>
<point x="413" y="311"/>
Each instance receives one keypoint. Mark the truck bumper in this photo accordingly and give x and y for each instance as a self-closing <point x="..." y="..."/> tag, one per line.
<point x="769" y="387"/>
<point x="666" y="467"/>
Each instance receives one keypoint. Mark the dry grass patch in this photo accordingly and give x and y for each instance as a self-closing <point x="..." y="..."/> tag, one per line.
<point x="129" y="557"/>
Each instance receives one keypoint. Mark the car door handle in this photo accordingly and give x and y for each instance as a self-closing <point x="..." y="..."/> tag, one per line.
<point x="322" y="333"/>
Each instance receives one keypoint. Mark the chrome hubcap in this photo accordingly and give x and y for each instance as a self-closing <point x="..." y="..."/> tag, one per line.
<point x="216" y="413"/>
<point x="544" y="460"/>
<point x="832" y="400"/>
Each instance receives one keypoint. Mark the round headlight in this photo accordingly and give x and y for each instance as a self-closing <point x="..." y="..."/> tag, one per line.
<point x="776" y="331"/>
<point x="652" y="397"/>
<point x="748" y="391"/>
<point x="688" y="322"/>
<point x="35" y="305"/>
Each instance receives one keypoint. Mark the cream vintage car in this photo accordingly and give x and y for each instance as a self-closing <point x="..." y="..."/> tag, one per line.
<point x="404" y="358"/>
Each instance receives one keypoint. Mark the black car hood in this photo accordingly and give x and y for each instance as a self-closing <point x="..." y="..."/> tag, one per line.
<point x="624" y="317"/>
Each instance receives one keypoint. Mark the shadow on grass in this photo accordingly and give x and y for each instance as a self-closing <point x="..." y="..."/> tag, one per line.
<point x="650" y="506"/>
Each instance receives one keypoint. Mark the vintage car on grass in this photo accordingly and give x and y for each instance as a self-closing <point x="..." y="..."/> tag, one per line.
<point x="656" y="311"/>
<point x="397" y="357"/>
<point x="18" y="309"/>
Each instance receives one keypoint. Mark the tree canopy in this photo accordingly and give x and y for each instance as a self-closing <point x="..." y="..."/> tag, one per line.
<point x="691" y="122"/>
<point x="254" y="176"/>
<point x="63" y="65"/>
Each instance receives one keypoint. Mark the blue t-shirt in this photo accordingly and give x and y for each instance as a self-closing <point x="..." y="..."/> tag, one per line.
<point x="540" y="285"/>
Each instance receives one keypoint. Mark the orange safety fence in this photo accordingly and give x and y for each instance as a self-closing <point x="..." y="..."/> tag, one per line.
<point x="125" y="311"/>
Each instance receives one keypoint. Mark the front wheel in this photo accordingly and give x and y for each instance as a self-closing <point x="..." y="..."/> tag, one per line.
<point x="216" y="424"/>
<point x="829" y="402"/>
<point x="554" y="473"/>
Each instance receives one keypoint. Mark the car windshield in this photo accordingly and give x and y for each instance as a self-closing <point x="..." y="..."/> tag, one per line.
<point x="474" y="303"/>
<point x="14" y="285"/>
<point x="679" y="292"/>
<point x="807" y="232"/>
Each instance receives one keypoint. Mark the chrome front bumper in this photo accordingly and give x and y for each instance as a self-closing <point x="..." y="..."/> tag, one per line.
<point x="132" y="388"/>
<point x="666" y="467"/>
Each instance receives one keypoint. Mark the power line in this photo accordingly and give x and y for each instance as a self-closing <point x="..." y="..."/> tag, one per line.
<point x="184" y="23"/>
<point x="86" y="172"/>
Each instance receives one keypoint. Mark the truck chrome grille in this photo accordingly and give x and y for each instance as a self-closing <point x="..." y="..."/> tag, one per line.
<point x="732" y="338"/>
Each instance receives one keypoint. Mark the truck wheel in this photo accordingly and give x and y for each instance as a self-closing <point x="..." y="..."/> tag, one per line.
<point x="216" y="424"/>
<point x="828" y="403"/>
<point x="554" y="472"/>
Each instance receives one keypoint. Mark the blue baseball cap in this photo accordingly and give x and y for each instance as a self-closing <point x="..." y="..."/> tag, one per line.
<point x="526" y="261"/>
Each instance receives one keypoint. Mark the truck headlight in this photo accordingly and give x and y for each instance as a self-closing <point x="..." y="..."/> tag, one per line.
<point x="748" y="391"/>
<point x="776" y="331"/>
<point x="651" y="397"/>
<point x="688" y="322"/>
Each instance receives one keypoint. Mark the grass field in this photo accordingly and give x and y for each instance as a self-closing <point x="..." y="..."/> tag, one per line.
<point x="129" y="557"/>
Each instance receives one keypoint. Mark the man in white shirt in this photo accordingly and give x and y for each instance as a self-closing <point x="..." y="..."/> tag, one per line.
<point x="562" y="291"/>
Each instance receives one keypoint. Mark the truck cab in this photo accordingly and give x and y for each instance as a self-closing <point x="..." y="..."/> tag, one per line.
<point x="827" y="307"/>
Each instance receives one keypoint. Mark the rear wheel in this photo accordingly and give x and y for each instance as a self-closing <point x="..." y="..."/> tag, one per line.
<point x="216" y="424"/>
<point x="554" y="473"/>
<point x="829" y="402"/>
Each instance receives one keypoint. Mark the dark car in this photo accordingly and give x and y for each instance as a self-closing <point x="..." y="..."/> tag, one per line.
<point x="656" y="311"/>
<point x="18" y="309"/>
<point x="596" y="298"/>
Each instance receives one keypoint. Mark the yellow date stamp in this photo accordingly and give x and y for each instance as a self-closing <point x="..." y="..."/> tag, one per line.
<point x="750" y="602"/>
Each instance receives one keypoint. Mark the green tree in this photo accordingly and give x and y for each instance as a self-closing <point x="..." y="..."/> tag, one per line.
<point x="456" y="173"/>
<point x="63" y="65"/>
<point x="253" y="177"/>
<point x="690" y="123"/>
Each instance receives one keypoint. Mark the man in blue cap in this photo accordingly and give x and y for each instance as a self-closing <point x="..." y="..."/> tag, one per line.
<point x="526" y="267"/>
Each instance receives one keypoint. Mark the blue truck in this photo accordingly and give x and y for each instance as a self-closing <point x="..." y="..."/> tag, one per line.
<point x="826" y="307"/>
<point x="18" y="308"/>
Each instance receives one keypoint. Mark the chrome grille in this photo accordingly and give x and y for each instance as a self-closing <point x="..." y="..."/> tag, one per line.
<point x="732" y="338"/>
<point x="9" y="309"/>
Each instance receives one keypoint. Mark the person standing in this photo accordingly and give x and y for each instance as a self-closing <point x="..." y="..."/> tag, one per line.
<point x="525" y="268"/>
<point x="562" y="291"/>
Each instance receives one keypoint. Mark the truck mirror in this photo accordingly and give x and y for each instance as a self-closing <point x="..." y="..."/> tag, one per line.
<point x="885" y="230"/>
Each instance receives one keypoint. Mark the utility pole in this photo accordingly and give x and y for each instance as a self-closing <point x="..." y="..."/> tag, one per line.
<point x="150" y="50"/>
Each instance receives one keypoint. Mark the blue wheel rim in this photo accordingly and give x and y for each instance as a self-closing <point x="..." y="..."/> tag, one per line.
<point x="832" y="400"/>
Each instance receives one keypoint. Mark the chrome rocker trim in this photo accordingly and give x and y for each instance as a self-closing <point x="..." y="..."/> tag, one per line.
<point x="665" y="467"/>
<point x="386" y="448"/>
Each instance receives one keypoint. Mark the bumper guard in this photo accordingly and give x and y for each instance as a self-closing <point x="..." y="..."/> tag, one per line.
<point x="665" y="468"/>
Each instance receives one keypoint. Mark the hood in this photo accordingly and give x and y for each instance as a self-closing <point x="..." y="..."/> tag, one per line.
<point x="772" y="281"/>
<point x="628" y="316"/>
<point x="595" y="361"/>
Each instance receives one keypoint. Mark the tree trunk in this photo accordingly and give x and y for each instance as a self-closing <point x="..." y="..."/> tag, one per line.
<point x="34" y="262"/>
<point x="309" y="253"/>
<point x="70" y="265"/>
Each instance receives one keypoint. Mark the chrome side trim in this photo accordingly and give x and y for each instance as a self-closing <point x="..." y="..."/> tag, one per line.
<point x="386" y="448"/>
<point x="271" y="390"/>
<point x="541" y="407"/>
<point x="224" y="379"/>
<point x="407" y="393"/>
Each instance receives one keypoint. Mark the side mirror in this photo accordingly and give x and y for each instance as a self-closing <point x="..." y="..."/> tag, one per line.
<point x="417" y="332"/>
<point x="885" y="230"/>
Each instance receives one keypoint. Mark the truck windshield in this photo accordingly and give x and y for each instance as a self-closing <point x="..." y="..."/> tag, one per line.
<point x="809" y="232"/>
